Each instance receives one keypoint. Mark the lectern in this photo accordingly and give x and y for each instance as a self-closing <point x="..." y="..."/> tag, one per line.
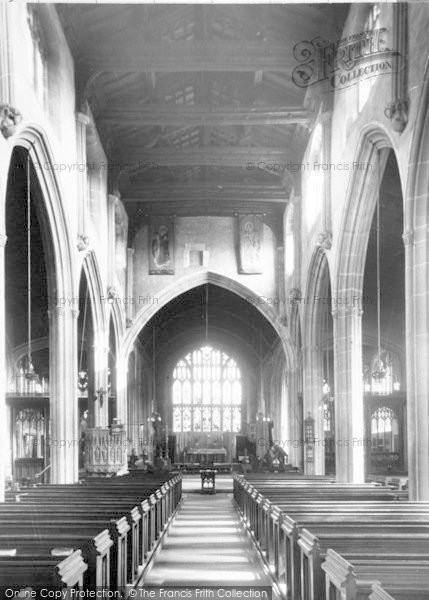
<point x="208" y="481"/>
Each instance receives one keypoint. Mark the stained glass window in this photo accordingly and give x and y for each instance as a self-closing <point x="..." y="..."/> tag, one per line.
<point x="207" y="392"/>
<point x="384" y="430"/>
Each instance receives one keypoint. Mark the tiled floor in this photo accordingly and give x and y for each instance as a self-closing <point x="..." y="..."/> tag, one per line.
<point x="207" y="545"/>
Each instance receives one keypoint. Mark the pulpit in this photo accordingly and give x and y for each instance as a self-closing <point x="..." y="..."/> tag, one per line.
<point x="105" y="450"/>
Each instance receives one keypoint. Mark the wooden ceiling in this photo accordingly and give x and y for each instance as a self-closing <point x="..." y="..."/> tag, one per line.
<point x="195" y="104"/>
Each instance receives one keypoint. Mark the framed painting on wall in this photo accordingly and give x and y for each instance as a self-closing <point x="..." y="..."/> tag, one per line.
<point x="250" y="230"/>
<point x="161" y="246"/>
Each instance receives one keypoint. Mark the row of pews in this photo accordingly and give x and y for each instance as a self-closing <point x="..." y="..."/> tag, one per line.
<point x="97" y="534"/>
<point x="328" y="541"/>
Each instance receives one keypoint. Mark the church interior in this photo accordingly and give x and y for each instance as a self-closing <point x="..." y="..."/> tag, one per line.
<point x="214" y="299"/>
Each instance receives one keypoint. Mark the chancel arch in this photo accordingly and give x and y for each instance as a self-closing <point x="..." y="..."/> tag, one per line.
<point x="206" y="352"/>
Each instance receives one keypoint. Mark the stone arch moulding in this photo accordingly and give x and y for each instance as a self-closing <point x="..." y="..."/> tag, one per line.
<point x="416" y="212"/>
<point x="35" y="142"/>
<point x="316" y="282"/>
<point x="416" y="239"/>
<point x="98" y="298"/>
<point x="116" y="313"/>
<point x="62" y="335"/>
<point x="355" y="225"/>
<point x="194" y="280"/>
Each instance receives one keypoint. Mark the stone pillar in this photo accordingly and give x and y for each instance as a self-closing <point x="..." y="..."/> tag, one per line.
<point x="111" y="235"/>
<point x="63" y="421"/>
<point x="122" y="392"/>
<point x="82" y="121"/>
<point x="100" y="398"/>
<point x="313" y="382"/>
<point x="417" y="344"/>
<point x="292" y="422"/>
<point x="6" y="88"/>
<point x="3" y="431"/>
<point x="349" y="418"/>
<point x="325" y="236"/>
<point x="129" y="308"/>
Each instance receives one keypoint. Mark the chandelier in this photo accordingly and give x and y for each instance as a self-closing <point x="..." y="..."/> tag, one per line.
<point x="379" y="371"/>
<point x="29" y="372"/>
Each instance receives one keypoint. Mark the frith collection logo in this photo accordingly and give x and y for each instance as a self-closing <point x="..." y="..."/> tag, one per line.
<point x="343" y="62"/>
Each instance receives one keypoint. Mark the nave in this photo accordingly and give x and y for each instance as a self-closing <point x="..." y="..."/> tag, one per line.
<point x="303" y="538"/>
<point x="206" y="544"/>
<point x="214" y="252"/>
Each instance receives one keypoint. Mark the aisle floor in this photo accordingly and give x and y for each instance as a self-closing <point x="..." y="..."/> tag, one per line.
<point x="207" y="545"/>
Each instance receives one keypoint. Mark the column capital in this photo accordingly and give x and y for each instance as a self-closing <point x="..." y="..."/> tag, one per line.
<point x="56" y="311"/>
<point x="344" y="311"/>
<point x="82" y="242"/>
<point x="3" y="240"/>
<point x="82" y="119"/>
<point x="408" y="238"/>
<point x="324" y="240"/>
<point x="295" y="295"/>
<point x="10" y="117"/>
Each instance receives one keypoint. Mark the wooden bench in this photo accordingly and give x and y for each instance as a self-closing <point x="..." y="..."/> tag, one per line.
<point x="356" y="580"/>
<point x="340" y="511"/>
<point x="314" y="548"/>
<point x="286" y="552"/>
<point x="77" y="517"/>
<point x="38" y="573"/>
<point x="399" y="593"/>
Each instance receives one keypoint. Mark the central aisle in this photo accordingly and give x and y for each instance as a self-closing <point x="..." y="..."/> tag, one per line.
<point x="207" y="545"/>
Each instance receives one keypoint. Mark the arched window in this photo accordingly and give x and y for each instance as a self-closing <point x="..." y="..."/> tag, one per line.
<point x="384" y="430"/>
<point x="206" y="392"/>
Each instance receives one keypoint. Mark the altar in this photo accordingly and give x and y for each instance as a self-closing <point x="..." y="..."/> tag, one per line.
<point x="206" y="456"/>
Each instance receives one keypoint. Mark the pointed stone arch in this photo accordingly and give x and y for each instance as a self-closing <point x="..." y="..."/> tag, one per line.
<point x="316" y="303"/>
<point x="194" y="280"/>
<point x="416" y="240"/>
<point x="97" y="294"/>
<point x="176" y="289"/>
<point x="347" y="291"/>
<point x="62" y="314"/>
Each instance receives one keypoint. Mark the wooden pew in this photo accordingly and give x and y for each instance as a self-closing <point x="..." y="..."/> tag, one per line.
<point x="315" y="547"/>
<point x="286" y="559"/>
<point x="272" y="527"/>
<point x="81" y="503"/>
<point x="399" y="593"/>
<point x="357" y="579"/>
<point x="37" y="573"/>
<point x="96" y="549"/>
<point x="159" y="514"/>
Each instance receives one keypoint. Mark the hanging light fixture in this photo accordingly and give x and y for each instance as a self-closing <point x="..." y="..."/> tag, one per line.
<point x="82" y="381"/>
<point x="29" y="372"/>
<point x="379" y="371"/>
<point x="327" y="399"/>
<point x="261" y="383"/>
<point x="206" y="349"/>
<point x="155" y="417"/>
